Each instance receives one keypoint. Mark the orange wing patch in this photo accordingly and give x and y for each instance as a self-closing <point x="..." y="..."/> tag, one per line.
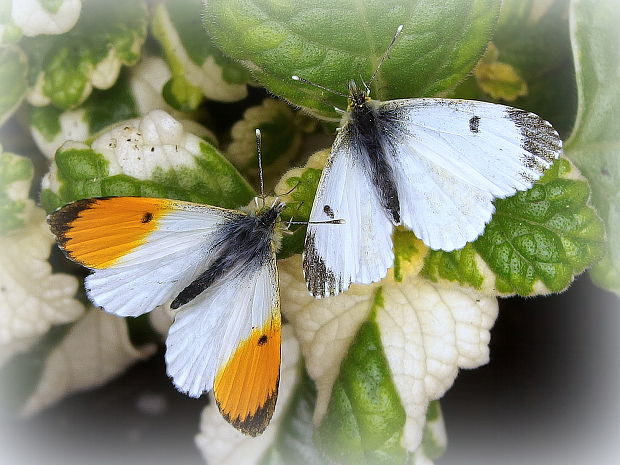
<point x="246" y="387"/>
<point x="98" y="232"/>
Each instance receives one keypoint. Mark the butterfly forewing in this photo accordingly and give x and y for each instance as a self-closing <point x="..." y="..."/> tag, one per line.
<point x="359" y="249"/>
<point x="452" y="158"/>
<point x="143" y="251"/>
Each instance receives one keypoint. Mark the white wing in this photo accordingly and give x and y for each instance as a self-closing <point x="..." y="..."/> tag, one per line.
<point x="159" y="258"/>
<point x="452" y="158"/>
<point x="360" y="249"/>
<point x="228" y="339"/>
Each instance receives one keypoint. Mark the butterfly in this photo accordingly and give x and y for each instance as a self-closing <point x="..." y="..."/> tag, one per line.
<point x="216" y="266"/>
<point x="434" y="165"/>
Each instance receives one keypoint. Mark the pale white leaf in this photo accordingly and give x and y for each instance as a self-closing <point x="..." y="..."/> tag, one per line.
<point x="428" y="331"/>
<point x="96" y="349"/>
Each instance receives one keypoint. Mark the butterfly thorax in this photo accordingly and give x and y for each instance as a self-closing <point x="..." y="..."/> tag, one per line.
<point x="244" y="244"/>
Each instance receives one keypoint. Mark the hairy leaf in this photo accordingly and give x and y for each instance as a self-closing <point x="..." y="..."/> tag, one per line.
<point x="330" y="43"/>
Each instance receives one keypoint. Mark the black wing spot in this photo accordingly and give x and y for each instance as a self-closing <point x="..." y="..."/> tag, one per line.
<point x="328" y="211"/>
<point x="474" y="124"/>
<point x="262" y="340"/>
<point x="148" y="216"/>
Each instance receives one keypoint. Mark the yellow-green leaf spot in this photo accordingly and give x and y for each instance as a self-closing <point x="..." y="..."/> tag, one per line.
<point x="152" y="156"/>
<point x="36" y="17"/>
<point x="409" y="254"/>
<point x="330" y="43"/>
<point x="198" y="68"/>
<point x="499" y="80"/>
<point x="221" y="444"/>
<point x="110" y="34"/>
<point x="13" y="72"/>
<point x="594" y="145"/>
<point x="282" y="131"/>
<point x="427" y="332"/>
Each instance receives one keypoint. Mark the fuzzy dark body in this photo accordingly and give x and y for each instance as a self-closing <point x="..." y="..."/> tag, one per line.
<point x="244" y="244"/>
<point x="366" y="132"/>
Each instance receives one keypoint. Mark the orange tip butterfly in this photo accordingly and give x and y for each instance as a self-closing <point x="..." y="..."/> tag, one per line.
<point x="433" y="165"/>
<point x="217" y="267"/>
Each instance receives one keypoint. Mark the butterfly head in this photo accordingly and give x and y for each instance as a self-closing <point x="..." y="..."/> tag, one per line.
<point x="357" y="97"/>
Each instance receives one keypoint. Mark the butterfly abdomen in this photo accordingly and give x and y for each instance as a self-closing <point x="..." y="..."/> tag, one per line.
<point x="369" y="140"/>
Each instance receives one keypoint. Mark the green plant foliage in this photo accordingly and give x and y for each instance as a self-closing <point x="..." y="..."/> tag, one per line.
<point x="294" y="443"/>
<point x="198" y="68"/>
<point x="109" y="34"/>
<point x="330" y="43"/>
<point x="79" y="171"/>
<point x="13" y="71"/>
<point x="594" y="145"/>
<point x="15" y="177"/>
<point x="365" y="419"/>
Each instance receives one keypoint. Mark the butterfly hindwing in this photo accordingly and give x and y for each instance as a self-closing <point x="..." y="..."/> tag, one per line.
<point x="452" y="158"/>
<point x="228" y="339"/>
<point x="143" y="251"/>
<point x="359" y="249"/>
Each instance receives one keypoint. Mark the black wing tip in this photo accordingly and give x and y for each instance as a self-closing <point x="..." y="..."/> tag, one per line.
<point x="539" y="136"/>
<point x="254" y="425"/>
<point x="320" y="280"/>
<point x="60" y="220"/>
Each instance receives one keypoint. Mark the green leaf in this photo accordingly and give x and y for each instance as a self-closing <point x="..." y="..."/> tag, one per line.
<point x="198" y="67"/>
<point x="109" y="34"/>
<point x="100" y="110"/>
<point x="300" y="184"/>
<point x="15" y="177"/>
<point x="536" y="242"/>
<point x="594" y="145"/>
<point x="13" y="71"/>
<point x="294" y="443"/>
<point x="330" y="43"/>
<point x="365" y="419"/>
<point x="194" y="170"/>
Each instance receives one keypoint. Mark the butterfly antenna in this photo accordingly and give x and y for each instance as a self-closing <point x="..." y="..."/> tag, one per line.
<point x="305" y="81"/>
<point x="260" y="163"/>
<point x="385" y="55"/>
<point x="339" y="221"/>
<point x="290" y="190"/>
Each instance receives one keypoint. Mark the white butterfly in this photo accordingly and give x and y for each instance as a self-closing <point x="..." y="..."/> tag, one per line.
<point x="217" y="267"/>
<point x="433" y="165"/>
